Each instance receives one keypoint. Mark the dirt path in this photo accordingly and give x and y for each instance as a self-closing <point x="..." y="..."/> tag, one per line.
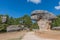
<point x="31" y="36"/>
<point x="49" y="34"/>
<point x="11" y="35"/>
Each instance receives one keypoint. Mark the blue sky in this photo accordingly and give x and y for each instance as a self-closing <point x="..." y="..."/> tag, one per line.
<point x="18" y="8"/>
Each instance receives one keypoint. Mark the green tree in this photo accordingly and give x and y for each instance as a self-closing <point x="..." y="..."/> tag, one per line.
<point x="56" y="22"/>
<point x="10" y="21"/>
<point x="27" y="21"/>
<point x="34" y="26"/>
<point x="17" y="21"/>
<point x="0" y="19"/>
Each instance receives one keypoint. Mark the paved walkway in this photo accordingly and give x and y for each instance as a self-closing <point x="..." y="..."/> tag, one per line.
<point x="31" y="36"/>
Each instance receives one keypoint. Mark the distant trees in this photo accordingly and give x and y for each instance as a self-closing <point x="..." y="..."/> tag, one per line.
<point x="2" y="25"/>
<point x="0" y="19"/>
<point x="10" y="21"/>
<point x="25" y="20"/>
<point x="34" y="26"/>
<point x="56" y="22"/>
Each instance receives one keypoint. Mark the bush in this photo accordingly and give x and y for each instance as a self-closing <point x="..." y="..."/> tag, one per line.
<point x="3" y="27"/>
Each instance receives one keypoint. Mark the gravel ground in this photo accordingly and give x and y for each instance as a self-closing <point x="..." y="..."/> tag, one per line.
<point x="31" y="36"/>
<point x="11" y="35"/>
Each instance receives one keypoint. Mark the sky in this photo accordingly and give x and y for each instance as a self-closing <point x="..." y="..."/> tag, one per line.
<point x="18" y="8"/>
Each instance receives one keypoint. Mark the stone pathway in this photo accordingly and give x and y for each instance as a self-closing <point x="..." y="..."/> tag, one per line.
<point x="31" y="36"/>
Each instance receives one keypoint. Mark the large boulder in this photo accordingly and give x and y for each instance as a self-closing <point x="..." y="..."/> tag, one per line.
<point x="13" y="28"/>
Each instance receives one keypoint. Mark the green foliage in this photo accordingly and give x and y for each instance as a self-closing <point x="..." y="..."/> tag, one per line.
<point x="56" y="22"/>
<point x="17" y="21"/>
<point x="0" y="19"/>
<point x="10" y="21"/>
<point x="25" y="20"/>
<point x="34" y="26"/>
<point x="3" y="27"/>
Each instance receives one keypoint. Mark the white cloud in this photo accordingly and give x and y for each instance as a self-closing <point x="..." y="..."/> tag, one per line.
<point x="59" y="3"/>
<point x="34" y="1"/>
<point x="58" y="7"/>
